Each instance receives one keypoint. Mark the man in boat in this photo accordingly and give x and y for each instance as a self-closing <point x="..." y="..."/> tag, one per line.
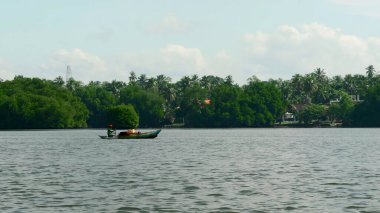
<point x="110" y="132"/>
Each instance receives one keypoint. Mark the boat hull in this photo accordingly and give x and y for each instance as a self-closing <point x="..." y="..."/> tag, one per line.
<point x="143" y="135"/>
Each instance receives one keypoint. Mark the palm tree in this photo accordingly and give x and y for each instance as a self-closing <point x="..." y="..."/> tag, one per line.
<point x="309" y="87"/>
<point x="320" y="74"/>
<point x="142" y="80"/>
<point x="57" y="81"/>
<point x="371" y="72"/>
<point x="321" y="86"/>
<point x="296" y="89"/>
<point x="114" y="87"/>
<point x="132" y="78"/>
<point x="162" y="82"/>
<point x="73" y="85"/>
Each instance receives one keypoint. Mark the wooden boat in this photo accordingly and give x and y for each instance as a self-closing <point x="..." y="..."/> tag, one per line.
<point x="137" y="135"/>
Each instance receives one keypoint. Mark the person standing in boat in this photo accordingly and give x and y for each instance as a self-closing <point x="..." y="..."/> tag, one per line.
<point x="110" y="132"/>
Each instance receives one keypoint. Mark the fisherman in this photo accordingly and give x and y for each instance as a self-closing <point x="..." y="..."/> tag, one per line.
<point x="110" y="132"/>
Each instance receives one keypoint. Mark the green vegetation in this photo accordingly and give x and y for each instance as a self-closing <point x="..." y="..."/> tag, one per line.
<point x="193" y="101"/>
<point x="36" y="103"/>
<point x="123" y="116"/>
<point x="367" y="113"/>
<point x="312" y="113"/>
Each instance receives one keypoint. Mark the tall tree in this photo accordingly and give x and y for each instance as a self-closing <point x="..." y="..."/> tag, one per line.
<point x="342" y="109"/>
<point x="97" y="98"/>
<point x="149" y="105"/>
<point x="371" y="74"/>
<point x="123" y="116"/>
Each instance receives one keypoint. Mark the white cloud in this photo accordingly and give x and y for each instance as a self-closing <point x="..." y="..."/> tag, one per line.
<point x="259" y="40"/>
<point x="170" y="24"/>
<point x="292" y="50"/>
<point x="224" y="64"/>
<point x="178" y="57"/>
<point x="173" y="60"/>
<point x="84" y="66"/>
<point x="177" y="61"/>
<point x="279" y="54"/>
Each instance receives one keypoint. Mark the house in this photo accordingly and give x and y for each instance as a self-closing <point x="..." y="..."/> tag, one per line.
<point x="288" y="116"/>
<point x="356" y="98"/>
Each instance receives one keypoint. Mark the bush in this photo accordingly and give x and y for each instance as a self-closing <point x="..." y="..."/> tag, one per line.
<point x="123" y="116"/>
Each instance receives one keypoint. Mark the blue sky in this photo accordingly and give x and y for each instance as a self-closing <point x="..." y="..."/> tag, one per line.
<point x="105" y="40"/>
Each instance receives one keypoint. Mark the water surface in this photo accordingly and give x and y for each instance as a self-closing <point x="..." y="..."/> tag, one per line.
<point x="218" y="170"/>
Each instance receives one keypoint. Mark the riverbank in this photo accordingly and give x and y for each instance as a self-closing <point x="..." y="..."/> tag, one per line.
<point x="296" y="124"/>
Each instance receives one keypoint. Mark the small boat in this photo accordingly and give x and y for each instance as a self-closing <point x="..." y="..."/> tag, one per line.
<point x="137" y="135"/>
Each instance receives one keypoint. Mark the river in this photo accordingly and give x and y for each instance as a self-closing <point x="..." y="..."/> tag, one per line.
<point x="195" y="170"/>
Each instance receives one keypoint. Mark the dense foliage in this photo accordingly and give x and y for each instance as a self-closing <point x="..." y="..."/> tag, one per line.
<point x="36" y="103"/>
<point x="148" y="104"/>
<point x="123" y="116"/>
<point x="349" y="100"/>
<point x="368" y="113"/>
<point x="193" y="101"/>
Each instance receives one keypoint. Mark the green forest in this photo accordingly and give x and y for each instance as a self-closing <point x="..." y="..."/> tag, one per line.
<point x="312" y="99"/>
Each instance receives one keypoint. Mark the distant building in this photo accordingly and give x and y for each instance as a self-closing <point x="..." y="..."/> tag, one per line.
<point x="288" y="116"/>
<point x="335" y="101"/>
<point x="356" y="98"/>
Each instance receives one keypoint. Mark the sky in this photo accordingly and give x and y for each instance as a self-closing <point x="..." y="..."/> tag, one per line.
<point x="104" y="40"/>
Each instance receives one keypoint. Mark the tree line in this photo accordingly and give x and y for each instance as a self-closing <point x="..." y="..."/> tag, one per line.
<point x="193" y="101"/>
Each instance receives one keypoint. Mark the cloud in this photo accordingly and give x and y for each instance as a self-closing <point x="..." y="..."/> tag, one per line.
<point x="280" y="54"/>
<point x="84" y="66"/>
<point x="291" y="50"/>
<point x="173" y="60"/>
<point x="177" y="61"/>
<point x="178" y="57"/>
<point x="170" y="24"/>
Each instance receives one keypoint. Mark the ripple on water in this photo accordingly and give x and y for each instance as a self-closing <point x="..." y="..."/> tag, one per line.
<point x="340" y="184"/>
<point x="361" y="196"/>
<point x="215" y="195"/>
<point x="355" y="207"/>
<point x="164" y="209"/>
<point x="190" y="188"/>
<point x="128" y="209"/>
<point x="247" y="192"/>
<point x="288" y="208"/>
<point x="160" y="189"/>
<point x="259" y="170"/>
<point x="201" y="203"/>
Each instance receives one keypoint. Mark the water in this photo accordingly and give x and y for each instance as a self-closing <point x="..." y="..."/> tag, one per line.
<point x="224" y="170"/>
